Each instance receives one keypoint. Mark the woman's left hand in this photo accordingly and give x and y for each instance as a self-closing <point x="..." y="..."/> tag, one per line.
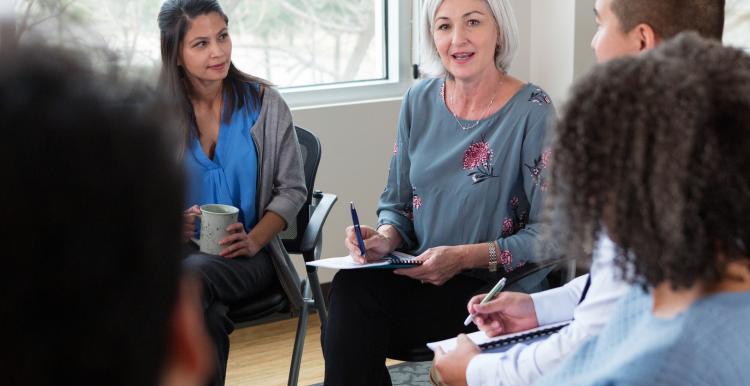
<point x="452" y="366"/>
<point x="439" y="265"/>
<point x="238" y="243"/>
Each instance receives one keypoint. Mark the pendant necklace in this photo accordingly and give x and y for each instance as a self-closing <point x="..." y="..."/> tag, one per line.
<point x="471" y="125"/>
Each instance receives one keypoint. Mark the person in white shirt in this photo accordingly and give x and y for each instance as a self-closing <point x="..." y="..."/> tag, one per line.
<point x="522" y="364"/>
<point x="624" y="28"/>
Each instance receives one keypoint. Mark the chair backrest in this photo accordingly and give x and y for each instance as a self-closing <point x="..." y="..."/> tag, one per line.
<point x="310" y="147"/>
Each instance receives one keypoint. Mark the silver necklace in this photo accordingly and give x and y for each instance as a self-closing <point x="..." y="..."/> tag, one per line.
<point x="471" y="125"/>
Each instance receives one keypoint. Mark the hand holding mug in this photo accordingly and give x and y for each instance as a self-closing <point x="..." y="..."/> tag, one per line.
<point x="216" y="219"/>
<point x="238" y="243"/>
<point x="188" y="222"/>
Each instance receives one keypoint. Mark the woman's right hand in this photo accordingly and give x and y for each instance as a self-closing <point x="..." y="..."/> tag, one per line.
<point x="377" y="244"/>
<point x="188" y="222"/>
<point x="509" y="312"/>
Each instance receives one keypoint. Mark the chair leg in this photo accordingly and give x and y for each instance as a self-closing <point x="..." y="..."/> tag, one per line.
<point x="320" y="303"/>
<point x="299" y="339"/>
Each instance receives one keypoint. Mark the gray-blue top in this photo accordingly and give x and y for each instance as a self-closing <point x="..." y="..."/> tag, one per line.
<point x="708" y="344"/>
<point x="450" y="186"/>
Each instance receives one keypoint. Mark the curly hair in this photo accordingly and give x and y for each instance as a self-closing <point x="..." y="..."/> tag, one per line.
<point x="655" y="151"/>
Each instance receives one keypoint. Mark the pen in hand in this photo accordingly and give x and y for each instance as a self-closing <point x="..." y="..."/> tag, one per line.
<point x="357" y="229"/>
<point x="499" y="286"/>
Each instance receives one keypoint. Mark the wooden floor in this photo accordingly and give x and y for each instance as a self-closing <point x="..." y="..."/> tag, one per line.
<point x="260" y="355"/>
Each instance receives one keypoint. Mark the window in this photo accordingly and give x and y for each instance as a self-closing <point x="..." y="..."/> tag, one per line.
<point x="316" y="51"/>
<point x="737" y="24"/>
<point x="303" y="43"/>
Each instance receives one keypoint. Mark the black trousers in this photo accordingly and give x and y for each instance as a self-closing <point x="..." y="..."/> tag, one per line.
<point x="373" y="312"/>
<point x="226" y="281"/>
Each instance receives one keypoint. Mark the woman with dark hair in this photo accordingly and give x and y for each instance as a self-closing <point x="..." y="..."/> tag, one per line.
<point x="654" y="150"/>
<point x="240" y="149"/>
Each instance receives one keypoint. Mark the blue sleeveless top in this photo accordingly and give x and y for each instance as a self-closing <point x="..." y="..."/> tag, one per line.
<point x="231" y="176"/>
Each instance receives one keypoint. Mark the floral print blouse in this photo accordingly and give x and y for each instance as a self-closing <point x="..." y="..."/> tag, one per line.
<point x="450" y="186"/>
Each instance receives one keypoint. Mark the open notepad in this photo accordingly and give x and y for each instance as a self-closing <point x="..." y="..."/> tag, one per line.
<point x="487" y="343"/>
<point x="393" y="260"/>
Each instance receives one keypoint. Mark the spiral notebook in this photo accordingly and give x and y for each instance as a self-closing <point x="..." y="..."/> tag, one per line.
<point x="487" y="343"/>
<point x="392" y="261"/>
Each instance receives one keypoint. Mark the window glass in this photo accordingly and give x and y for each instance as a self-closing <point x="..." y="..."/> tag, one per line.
<point x="289" y="42"/>
<point x="737" y="23"/>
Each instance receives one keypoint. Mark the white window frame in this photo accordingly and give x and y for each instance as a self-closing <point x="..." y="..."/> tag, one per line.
<point x="399" y="69"/>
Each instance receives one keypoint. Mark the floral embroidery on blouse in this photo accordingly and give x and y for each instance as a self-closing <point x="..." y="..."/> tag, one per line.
<point x="507" y="227"/>
<point x="539" y="97"/>
<point x="478" y="161"/>
<point x="414" y="205"/>
<point x="395" y="148"/>
<point x="506" y="260"/>
<point x="540" y="164"/>
<point x="416" y="202"/>
<point x="519" y="220"/>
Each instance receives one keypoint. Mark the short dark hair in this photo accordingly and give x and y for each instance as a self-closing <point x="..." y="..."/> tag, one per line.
<point x="670" y="17"/>
<point x="656" y="146"/>
<point x="91" y="217"/>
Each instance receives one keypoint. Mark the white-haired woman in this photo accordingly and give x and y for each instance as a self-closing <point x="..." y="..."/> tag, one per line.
<point x="464" y="193"/>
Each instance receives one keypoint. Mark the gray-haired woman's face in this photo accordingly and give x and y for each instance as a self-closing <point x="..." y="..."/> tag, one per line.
<point x="465" y="34"/>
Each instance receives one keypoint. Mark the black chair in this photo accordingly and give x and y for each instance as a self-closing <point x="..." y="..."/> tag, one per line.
<point x="302" y="237"/>
<point x="422" y="353"/>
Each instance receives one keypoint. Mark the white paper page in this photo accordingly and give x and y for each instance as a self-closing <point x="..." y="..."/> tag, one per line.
<point x="479" y="337"/>
<point x="344" y="262"/>
<point x="347" y="262"/>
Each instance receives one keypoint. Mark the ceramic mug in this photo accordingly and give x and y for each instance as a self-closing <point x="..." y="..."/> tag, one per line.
<point x="215" y="218"/>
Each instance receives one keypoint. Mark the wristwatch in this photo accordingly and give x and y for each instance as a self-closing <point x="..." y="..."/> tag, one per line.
<point x="493" y="256"/>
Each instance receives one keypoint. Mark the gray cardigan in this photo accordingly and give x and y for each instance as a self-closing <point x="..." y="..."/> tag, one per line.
<point x="281" y="181"/>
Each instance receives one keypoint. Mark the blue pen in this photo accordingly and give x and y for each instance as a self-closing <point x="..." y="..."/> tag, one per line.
<point x="357" y="229"/>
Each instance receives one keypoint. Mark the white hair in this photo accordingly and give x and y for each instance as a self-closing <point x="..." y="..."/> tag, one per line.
<point x="507" y="40"/>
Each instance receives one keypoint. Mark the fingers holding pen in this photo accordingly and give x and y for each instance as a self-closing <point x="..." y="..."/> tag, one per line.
<point x="376" y="244"/>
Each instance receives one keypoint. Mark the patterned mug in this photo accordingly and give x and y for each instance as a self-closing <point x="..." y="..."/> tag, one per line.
<point x="215" y="218"/>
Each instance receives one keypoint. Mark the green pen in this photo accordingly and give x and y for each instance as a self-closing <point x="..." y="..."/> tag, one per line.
<point x="499" y="286"/>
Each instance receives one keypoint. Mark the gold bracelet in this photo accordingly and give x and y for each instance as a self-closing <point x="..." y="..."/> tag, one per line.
<point x="493" y="256"/>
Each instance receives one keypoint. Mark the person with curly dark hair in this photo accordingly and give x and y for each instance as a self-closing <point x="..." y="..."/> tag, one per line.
<point x="654" y="151"/>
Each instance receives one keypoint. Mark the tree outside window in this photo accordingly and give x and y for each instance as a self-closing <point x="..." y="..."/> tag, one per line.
<point x="289" y="42"/>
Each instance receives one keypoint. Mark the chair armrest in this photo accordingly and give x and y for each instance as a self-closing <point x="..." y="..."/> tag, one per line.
<point x="315" y="225"/>
<point x="533" y="267"/>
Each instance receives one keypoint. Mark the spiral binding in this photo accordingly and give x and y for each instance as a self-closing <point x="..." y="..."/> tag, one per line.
<point x="520" y="338"/>
<point x="398" y="260"/>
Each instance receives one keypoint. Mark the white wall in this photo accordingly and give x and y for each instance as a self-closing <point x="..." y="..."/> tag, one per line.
<point x="357" y="142"/>
<point x="551" y="55"/>
<point x="357" y="138"/>
<point x="521" y="66"/>
<point x="585" y="28"/>
<point x="561" y="32"/>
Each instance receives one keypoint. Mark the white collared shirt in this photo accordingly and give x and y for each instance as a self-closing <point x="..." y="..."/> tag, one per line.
<point x="523" y="364"/>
